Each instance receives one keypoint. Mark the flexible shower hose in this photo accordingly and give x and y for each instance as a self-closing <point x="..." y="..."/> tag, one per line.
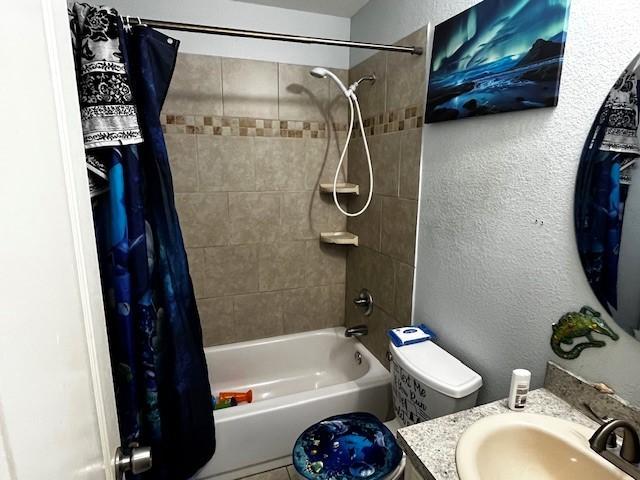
<point x="353" y="99"/>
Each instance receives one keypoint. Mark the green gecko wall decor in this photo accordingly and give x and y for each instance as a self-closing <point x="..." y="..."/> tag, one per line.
<point x="579" y="324"/>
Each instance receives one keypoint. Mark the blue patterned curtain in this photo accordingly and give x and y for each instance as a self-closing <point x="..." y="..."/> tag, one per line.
<point x="160" y="374"/>
<point x="184" y="389"/>
<point x="600" y="193"/>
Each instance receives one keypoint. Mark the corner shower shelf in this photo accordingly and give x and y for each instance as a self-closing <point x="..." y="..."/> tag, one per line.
<point x="349" y="188"/>
<point x="339" y="238"/>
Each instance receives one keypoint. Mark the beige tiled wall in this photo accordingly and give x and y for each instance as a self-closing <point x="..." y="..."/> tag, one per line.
<point x="384" y="263"/>
<point x="249" y="142"/>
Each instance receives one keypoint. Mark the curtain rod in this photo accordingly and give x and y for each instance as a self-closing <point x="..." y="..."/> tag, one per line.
<point x="233" y="32"/>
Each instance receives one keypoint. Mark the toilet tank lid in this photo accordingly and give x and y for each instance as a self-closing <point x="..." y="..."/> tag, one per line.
<point x="437" y="369"/>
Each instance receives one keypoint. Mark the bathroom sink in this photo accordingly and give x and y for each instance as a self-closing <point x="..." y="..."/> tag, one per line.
<point x="530" y="447"/>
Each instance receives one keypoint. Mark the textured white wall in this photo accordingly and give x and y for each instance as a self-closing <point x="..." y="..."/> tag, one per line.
<point x="385" y="21"/>
<point x="489" y="279"/>
<point x="228" y="13"/>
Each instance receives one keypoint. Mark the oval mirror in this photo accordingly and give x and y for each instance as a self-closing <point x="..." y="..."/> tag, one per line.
<point x="607" y="203"/>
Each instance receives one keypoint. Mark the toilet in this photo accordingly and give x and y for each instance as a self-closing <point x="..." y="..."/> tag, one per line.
<point x="426" y="381"/>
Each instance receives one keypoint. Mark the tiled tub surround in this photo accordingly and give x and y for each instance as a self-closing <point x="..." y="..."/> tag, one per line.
<point x="246" y="127"/>
<point x="389" y="122"/>
<point x="384" y="263"/>
<point x="249" y="142"/>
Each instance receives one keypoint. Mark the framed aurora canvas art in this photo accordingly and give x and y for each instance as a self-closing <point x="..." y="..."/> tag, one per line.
<point x="497" y="56"/>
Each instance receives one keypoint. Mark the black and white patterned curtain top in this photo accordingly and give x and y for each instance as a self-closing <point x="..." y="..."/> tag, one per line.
<point x="107" y="107"/>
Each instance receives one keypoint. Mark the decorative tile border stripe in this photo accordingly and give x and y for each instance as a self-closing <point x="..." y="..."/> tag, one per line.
<point x="244" y="127"/>
<point x="387" y="122"/>
<point x="393" y="121"/>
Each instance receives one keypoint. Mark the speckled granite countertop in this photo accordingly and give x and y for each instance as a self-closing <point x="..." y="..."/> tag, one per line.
<point x="431" y="446"/>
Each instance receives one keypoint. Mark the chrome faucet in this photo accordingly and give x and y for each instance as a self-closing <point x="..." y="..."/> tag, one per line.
<point x="628" y="457"/>
<point x="357" y="331"/>
<point x="612" y="441"/>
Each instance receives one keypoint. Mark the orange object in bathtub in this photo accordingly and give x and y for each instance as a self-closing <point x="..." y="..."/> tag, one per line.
<point x="239" y="396"/>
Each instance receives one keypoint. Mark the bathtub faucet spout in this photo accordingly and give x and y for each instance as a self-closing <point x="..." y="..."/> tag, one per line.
<point x="357" y="331"/>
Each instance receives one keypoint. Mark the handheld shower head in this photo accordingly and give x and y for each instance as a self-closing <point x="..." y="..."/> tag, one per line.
<point x="354" y="106"/>
<point x="320" y="72"/>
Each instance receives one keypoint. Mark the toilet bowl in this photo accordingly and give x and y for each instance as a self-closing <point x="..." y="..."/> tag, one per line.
<point x="427" y="382"/>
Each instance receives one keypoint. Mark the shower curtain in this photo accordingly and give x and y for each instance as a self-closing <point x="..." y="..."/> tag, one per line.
<point x="160" y="374"/>
<point x="600" y="192"/>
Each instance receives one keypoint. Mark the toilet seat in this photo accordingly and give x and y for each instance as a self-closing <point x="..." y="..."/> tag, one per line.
<point x="355" y="445"/>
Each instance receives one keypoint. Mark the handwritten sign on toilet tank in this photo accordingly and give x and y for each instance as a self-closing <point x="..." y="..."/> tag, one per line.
<point x="410" y="400"/>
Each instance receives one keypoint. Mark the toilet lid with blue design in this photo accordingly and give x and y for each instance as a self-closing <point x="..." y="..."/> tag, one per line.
<point x="345" y="447"/>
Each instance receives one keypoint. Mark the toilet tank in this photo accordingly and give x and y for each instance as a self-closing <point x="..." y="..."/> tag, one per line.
<point x="428" y="382"/>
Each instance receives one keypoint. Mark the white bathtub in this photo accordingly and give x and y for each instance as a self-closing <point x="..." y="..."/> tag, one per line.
<point x="297" y="380"/>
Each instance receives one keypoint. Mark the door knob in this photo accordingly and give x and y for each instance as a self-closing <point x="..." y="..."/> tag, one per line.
<point x="137" y="460"/>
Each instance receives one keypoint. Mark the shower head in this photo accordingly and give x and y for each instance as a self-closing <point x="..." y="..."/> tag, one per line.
<point x="320" y="72"/>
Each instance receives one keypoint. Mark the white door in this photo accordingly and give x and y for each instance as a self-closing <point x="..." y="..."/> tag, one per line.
<point x="57" y="409"/>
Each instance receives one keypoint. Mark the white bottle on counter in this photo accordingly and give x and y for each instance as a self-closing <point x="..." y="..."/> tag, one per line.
<point x="520" y="381"/>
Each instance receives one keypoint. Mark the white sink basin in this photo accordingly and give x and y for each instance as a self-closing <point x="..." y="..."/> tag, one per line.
<point x="530" y="447"/>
